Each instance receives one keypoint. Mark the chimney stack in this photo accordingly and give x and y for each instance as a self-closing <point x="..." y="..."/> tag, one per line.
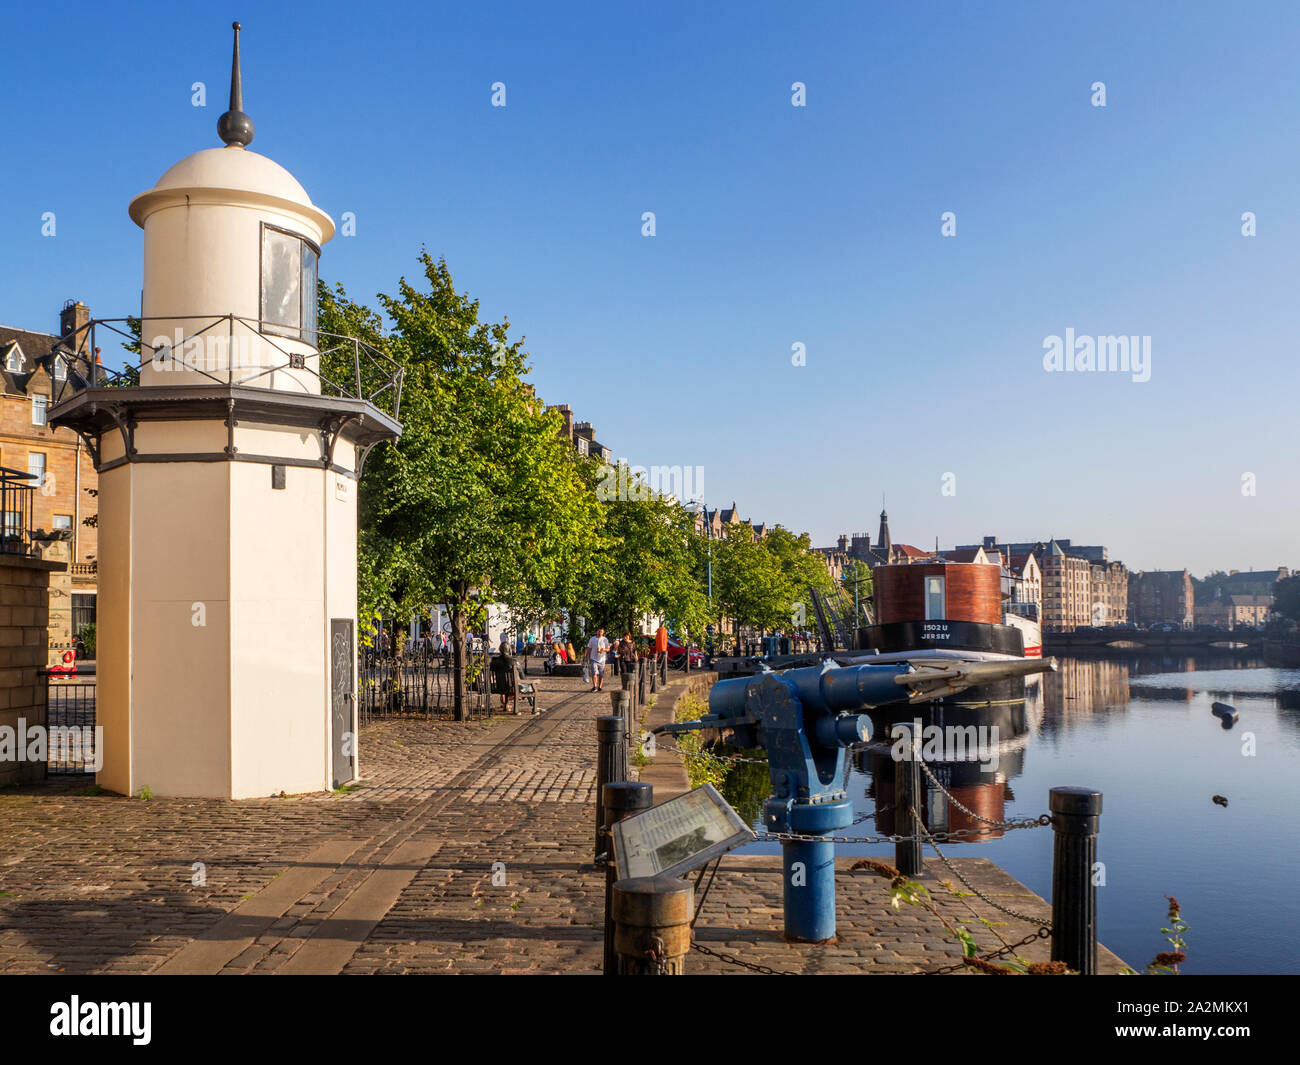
<point x="75" y="316"/>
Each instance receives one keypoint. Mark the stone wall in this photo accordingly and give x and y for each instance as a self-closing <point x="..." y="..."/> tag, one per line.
<point x="24" y="636"/>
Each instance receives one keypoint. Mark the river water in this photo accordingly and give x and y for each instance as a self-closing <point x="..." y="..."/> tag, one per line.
<point x="1139" y="729"/>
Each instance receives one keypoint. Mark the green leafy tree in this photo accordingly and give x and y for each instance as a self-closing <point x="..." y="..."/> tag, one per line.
<point x="857" y="575"/>
<point x="481" y="498"/>
<point x="749" y="585"/>
<point x="1286" y="598"/>
<point x="649" y="562"/>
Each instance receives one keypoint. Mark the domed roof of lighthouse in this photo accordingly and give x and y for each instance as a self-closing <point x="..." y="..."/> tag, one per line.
<point x="231" y="175"/>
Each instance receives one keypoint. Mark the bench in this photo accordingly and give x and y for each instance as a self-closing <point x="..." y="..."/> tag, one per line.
<point x="519" y="688"/>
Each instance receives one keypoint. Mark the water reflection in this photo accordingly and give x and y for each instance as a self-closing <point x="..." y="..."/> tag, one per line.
<point x="1142" y="729"/>
<point x="1082" y="693"/>
<point x="973" y="744"/>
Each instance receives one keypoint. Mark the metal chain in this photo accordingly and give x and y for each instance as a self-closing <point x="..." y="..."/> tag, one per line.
<point x="954" y="835"/>
<point x="655" y="953"/>
<point x="1042" y="933"/>
<point x="1015" y="822"/>
<point x="955" y="872"/>
<point x="731" y="959"/>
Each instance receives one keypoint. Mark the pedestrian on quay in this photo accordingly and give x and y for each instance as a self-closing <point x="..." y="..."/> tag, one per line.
<point x="661" y="645"/>
<point x="597" y="649"/>
<point x="627" y="655"/>
<point x="503" y="677"/>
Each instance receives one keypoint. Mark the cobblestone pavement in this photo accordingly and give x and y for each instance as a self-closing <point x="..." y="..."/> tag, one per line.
<point x="466" y="848"/>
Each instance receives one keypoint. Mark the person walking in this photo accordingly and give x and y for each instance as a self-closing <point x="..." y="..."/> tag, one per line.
<point x="627" y="655"/>
<point x="597" y="649"/>
<point x="661" y="646"/>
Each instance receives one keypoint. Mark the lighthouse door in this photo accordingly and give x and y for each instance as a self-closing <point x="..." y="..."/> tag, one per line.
<point x="343" y="741"/>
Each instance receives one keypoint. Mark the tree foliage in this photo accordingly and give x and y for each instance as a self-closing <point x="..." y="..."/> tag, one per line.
<point x="480" y="498"/>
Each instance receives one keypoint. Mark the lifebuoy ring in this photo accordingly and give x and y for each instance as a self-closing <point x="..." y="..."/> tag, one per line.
<point x="69" y="657"/>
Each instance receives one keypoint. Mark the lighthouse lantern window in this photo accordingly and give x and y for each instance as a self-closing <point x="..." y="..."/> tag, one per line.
<point x="289" y="267"/>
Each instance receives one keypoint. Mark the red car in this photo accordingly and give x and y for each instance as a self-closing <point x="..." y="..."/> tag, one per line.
<point x="675" y="651"/>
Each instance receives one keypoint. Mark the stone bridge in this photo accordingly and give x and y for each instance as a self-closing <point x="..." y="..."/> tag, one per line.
<point x="1140" y="639"/>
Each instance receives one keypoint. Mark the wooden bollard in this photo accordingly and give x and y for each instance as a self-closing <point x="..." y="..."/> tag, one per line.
<point x="907" y="804"/>
<point x="1076" y="816"/>
<point x="652" y="925"/>
<point x="618" y="801"/>
<point x="611" y="765"/>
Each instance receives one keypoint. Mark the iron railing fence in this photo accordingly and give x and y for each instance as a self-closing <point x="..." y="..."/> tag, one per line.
<point x="348" y="368"/>
<point x="419" y="683"/>
<point x="70" y="726"/>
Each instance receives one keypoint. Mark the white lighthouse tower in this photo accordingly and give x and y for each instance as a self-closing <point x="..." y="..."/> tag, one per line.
<point x="228" y="491"/>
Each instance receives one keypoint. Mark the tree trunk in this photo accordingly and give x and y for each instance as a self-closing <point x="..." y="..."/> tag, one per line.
<point x="457" y="611"/>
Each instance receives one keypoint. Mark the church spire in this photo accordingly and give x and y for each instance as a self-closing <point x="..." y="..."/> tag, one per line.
<point x="883" y="543"/>
<point x="234" y="127"/>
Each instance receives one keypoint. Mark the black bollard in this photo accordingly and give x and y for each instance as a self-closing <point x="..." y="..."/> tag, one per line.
<point x="907" y="804"/>
<point x="1075" y="816"/>
<point x="618" y="801"/>
<point x="611" y="764"/>
<point x="652" y="926"/>
<point x="621" y="701"/>
<point x="640" y="680"/>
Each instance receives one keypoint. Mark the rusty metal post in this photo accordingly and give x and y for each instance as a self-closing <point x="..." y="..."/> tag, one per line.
<point x="618" y="800"/>
<point x="652" y="925"/>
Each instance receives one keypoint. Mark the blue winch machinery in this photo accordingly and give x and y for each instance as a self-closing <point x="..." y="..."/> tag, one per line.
<point x="806" y="719"/>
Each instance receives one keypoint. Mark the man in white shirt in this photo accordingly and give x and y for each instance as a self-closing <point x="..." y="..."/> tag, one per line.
<point x="597" y="649"/>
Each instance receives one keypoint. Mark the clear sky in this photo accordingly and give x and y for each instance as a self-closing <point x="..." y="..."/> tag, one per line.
<point x="776" y="225"/>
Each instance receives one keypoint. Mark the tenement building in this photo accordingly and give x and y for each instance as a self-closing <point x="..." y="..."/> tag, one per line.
<point x="1109" y="593"/>
<point x="1161" y="597"/>
<point x="1067" y="590"/>
<point x="36" y="368"/>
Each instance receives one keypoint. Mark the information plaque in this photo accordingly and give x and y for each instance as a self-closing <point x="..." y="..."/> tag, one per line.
<point x="682" y="834"/>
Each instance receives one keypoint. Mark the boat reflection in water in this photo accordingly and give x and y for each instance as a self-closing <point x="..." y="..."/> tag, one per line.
<point x="974" y="747"/>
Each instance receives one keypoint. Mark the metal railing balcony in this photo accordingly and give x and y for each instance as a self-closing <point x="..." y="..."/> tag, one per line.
<point x="16" y="509"/>
<point x="229" y="349"/>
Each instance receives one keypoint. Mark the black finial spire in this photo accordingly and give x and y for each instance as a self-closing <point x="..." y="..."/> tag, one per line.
<point x="235" y="127"/>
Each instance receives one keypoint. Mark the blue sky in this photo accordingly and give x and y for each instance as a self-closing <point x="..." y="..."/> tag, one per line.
<point x="776" y="225"/>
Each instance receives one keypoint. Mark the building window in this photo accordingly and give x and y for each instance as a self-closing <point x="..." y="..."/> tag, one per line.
<point x="934" y="607"/>
<point x="14" y="360"/>
<point x="36" y="467"/>
<point x="289" y="266"/>
<point x="39" y="406"/>
<point x="13" y="522"/>
<point x="60" y="368"/>
<point x="63" y="521"/>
